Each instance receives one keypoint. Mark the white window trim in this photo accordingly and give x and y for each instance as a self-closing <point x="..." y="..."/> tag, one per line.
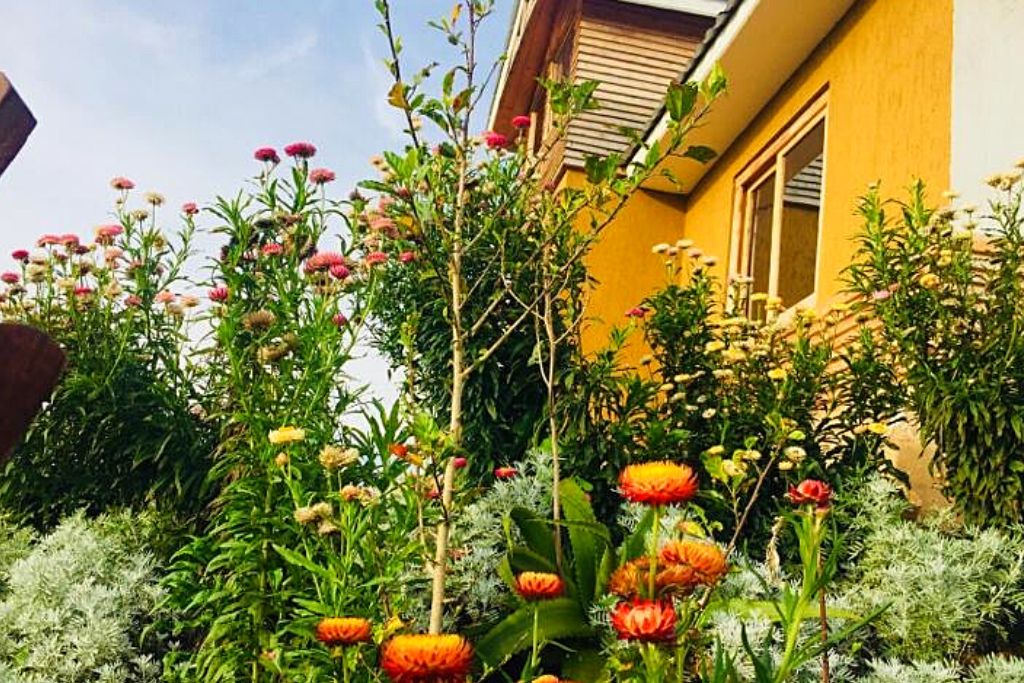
<point x="770" y="161"/>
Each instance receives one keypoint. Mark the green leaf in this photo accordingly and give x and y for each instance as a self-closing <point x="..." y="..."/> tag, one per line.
<point x="587" y="546"/>
<point x="700" y="153"/>
<point x="536" y="532"/>
<point x="557" y="619"/>
<point x="292" y="557"/>
<point x="680" y="100"/>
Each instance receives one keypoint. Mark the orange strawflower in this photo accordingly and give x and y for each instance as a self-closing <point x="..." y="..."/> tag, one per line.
<point x="343" y="630"/>
<point x="628" y="580"/>
<point x="658" y="483"/>
<point x="539" y="585"/>
<point x="645" y="620"/>
<point x="443" y="658"/>
<point x="677" y="578"/>
<point x="706" y="559"/>
<point x="547" y="678"/>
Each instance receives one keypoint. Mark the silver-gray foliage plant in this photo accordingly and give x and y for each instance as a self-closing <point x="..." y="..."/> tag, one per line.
<point x="72" y="609"/>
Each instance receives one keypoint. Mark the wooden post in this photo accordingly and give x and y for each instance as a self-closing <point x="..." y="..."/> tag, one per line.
<point x="30" y="365"/>
<point x="16" y="122"/>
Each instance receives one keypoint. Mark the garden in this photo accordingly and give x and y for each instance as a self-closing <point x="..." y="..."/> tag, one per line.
<point x="211" y="493"/>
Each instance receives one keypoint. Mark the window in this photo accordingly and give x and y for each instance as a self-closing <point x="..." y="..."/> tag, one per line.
<point x="779" y="197"/>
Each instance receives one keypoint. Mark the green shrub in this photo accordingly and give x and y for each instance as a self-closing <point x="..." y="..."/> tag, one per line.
<point x="951" y="315"/>
<point x="887" y="671"/>
<point x="994" y="669"/>
<point x="74" y="608"/>
<point x="118" y="430"/>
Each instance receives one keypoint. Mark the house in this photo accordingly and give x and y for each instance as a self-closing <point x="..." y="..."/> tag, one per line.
<point x="825" y="97"/>
<point x="16" y="122"/>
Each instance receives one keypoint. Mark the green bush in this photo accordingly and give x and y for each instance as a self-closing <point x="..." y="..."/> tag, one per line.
<point x="118" y="430"/>
<point x="74" y="608"/>
<point x="951" y="311"/>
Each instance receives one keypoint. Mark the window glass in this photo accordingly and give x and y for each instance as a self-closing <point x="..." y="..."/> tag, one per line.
<point x="801" y="209"/>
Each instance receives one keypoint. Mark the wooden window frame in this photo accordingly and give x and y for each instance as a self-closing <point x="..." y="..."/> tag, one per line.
<point x="771" y="161"/>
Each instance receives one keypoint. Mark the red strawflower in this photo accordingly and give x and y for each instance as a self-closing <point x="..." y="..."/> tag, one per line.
<point x="648" y="621"/>
<point x="121" y="183"/>
<point x="339" y="271"/>
<point x="442" y="658"/>
<point x="300" y="150"/>
<point x="811" y="492"/>
<point x="133" y="300"/>
<point x="495" y="140"/>
<point x="407" y="256"/>
<point x="20" y="254"/>
<point x="69" y="240"/>
<point x="10" y="278"/>
<point x="319" y="176"/>
<point x="658" y="483"/>
<point x="82" y="291"/>
<point x="459" y="462"/>
<point x="539" y="585"/>
<point x="636" y="312"/>
<point x="47" y="239"/>
<point x="505" y="472"/>
<point x="343" y="630"/>
<point x="268" y="154"/>
<point x="376" y="258"/>
<point x="219" y="294"/>
<point x="339" y="319"/>
<point x="521" y="121"/>
<point x="272" y="249"/>
<point x="189" y="208"/>
<point x="399" y="450"/>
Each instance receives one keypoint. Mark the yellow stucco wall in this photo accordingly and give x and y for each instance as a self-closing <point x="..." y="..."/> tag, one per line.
<point x="621" y="261"/>
<point x="887" y="66"/>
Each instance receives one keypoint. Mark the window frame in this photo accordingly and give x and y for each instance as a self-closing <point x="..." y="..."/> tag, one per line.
<point x="771" y="161"/>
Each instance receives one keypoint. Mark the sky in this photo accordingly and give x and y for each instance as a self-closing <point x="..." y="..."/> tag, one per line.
<point x="177" y="95"/>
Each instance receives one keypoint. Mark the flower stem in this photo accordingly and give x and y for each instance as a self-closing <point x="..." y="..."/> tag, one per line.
<point x="652" y="571"/>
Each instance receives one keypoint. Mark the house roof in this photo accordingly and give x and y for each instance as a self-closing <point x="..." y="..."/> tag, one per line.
<point x="759" y="44"/>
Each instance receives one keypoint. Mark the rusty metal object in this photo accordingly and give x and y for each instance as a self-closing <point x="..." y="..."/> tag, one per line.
<point x="30" y="365"/>
<point x="16" y="122"/>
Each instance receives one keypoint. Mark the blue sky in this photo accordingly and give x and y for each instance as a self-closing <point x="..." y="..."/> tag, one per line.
<point x="177" y="95"/>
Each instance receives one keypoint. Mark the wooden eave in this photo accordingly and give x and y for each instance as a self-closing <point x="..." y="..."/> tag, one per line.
<point x="16" y="122"/>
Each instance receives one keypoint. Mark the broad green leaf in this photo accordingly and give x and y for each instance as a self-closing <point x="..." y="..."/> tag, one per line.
<point x="557" y="619"/>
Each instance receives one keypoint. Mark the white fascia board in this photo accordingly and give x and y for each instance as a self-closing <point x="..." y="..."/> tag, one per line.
<point x="707" y="8"/>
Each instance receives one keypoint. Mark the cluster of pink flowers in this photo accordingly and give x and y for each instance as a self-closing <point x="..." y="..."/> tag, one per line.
<point x="329" y="261"/>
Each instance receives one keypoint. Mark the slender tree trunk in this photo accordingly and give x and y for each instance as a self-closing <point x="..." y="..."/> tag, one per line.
<point x="554" y="434"/>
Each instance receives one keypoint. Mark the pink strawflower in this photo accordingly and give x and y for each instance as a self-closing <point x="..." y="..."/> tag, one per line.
<point x="323" y="261"/>
<point x="189" y="208"/>
<point x="69" y="240"/>
<point x="218" y="294"/>
<point x="495" y="140"/>
<point x="385" y="202"/>
<point x="376" y="257"/>
<point x="301" y="150"/>
<point x="521" y="121"/>
<point x="164" y="297"/>
<point x="459" y="462"/>
<point x="319" y="176"/>
<point x="47" y="240"/>
<point x="121" y="183"/>
<point x="381" y="224"/>
<point x="81" y="249"/>
<point x="10" y="278"/>
<point x="105" y="234"/>
<point x="881" y="295"/>
<point x="133" y="301"/>
<point x="407" y="256"/>
<point x="20" y="254"/>
<point x="339" y="271"/>
<point x="112" y="253"/>
<point x="268" y="154"/>
<point x="82" y="291"/>
<point x="272" y="249"/>
<point x="339" y="319"/>
<point x="636" y="312"/>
